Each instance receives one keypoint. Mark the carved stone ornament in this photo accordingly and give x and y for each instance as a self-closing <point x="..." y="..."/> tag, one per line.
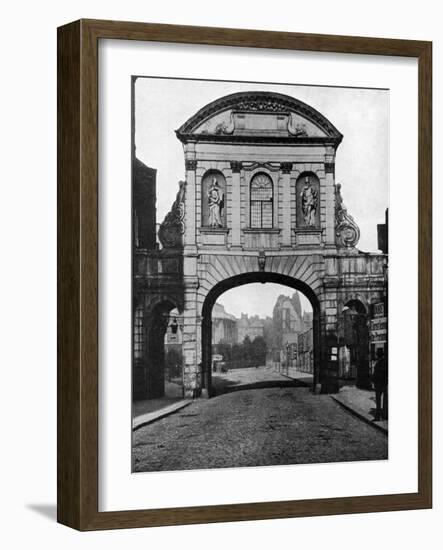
<point x="329" y="167"/>
<point x="261" y="261"/>
<point x="258" y="102"/>
<point x="172" y="228"/>
<point x="236" y="166"/>
<point x="347" y="232"/>
<point x="297" y="130"/>
<point x="226" y="128"/>
<point x="286" y="167"/>
<point x="190" y="164"/>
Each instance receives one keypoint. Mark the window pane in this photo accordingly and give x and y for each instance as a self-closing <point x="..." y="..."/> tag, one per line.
<point x="267" y="215"/>
<point x="255" y="214"/>
<point x="261" y="202"/>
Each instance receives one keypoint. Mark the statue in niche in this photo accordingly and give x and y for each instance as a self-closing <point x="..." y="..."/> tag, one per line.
<point x="309" y="203"/>
<point x="215" y="202"/>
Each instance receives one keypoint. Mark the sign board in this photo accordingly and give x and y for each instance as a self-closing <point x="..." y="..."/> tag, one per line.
<point x="379" y="309"/>
<point x="292" y="351"/>
<point x="379" y="329"/>
<point x="217" y="357"/>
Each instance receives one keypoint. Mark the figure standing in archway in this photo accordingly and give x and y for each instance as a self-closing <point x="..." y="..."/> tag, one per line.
<point x="215" y="201"/>
<point x="309" y="201"/>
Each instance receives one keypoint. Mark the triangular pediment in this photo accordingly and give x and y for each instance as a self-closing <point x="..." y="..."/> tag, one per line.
<point x="258" y="115"/>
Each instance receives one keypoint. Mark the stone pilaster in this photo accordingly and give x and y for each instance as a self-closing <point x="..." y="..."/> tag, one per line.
<point x="190" y="202"/>
<point x="330" y="197"/>
<point x="286" y="168"/>
<point x="235" y="208"/>
<point x="190" y="345"/>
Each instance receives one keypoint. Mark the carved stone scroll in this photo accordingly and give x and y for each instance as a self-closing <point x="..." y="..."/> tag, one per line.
<point x="347" y="232"/>
<point x="172" y="228"/>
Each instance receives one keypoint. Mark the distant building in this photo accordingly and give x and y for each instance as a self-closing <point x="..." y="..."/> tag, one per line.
<point x="288" y="319"/>
<point x="224" y="326"/>
<point x="305" y="351"/>
<point x="250" y="326"/>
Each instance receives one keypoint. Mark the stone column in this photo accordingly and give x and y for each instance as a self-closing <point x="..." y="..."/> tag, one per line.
<point x="190" y="281"/>
<point x="191" y="369"/>
<point x="190" y="218"/>
<point x="330" y="196"/>
<point x="286" y="169"/>
<point x="235" y="213"/>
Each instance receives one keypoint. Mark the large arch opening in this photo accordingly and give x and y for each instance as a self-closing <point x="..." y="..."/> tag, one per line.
<point x="285" y="354"/>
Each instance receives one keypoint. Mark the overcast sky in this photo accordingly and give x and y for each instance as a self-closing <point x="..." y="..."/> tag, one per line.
<point x="257" y="299"/>
<point x="362" y="161"/>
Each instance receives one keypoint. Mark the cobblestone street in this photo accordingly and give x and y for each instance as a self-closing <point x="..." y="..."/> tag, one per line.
<point x="256" y="427"/>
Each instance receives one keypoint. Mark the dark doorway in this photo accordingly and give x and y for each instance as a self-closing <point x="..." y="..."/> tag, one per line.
<point x="354" y="366"/>
<point x="164" y="359"/>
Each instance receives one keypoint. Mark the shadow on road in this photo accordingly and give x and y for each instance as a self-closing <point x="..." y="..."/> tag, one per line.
<point x="221" y="385"/>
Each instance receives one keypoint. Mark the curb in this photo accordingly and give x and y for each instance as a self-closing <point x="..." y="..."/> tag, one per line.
<point x="360" y="414"/>
<point x="148" y="418"/>
<point x="299" y="380"/>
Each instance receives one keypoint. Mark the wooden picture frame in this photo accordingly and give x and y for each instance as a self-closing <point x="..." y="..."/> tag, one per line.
<point x="78" y="274"/>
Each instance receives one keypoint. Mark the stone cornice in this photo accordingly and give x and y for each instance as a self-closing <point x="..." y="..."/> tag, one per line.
<point x="249" y="139"/>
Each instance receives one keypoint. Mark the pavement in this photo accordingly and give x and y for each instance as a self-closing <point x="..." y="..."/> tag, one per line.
<point x="304" y="378"/>
<point x="147" y="411"/>
<point x="164" y="408"/>
<point x="249" y="378"/>
<point x="361" y="403"/>
<point x="250" y="427"/>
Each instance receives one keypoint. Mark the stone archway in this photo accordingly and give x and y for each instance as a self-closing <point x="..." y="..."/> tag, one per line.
<point x="155" y="360"/>
<point x="243" y="279"/>
<point x="297" y="232"/>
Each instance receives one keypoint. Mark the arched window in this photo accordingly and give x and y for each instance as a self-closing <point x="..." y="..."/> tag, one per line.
<point x="262" y="202"/>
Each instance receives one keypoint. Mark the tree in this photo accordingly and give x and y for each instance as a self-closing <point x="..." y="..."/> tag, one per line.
<point x="259" y="348"/>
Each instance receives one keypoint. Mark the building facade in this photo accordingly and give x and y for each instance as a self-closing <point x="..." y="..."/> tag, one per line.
<point x="259" y="204"/>
<point x="224" y="326"/>
<point x="250" y="326"/>
<point x="287" y="320"/>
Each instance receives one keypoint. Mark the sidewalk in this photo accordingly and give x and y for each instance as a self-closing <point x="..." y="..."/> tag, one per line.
<point x="361" y="403"/>
<point x="155" y="409"/>
<point x="146" y="411"/>
<point x="358" y="402"/>
<point x="304" y="378"/>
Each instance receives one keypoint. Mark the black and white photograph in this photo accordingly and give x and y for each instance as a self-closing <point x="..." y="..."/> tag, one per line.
<point x="219" y="275"/>
<point x="259" y="274"/>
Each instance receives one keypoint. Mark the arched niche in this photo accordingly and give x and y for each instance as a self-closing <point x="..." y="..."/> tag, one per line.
<point x="213" y="200"/>
<point x="308" y="201"/>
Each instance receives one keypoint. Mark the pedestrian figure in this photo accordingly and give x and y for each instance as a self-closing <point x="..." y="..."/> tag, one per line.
<point x="380" y="381"/>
